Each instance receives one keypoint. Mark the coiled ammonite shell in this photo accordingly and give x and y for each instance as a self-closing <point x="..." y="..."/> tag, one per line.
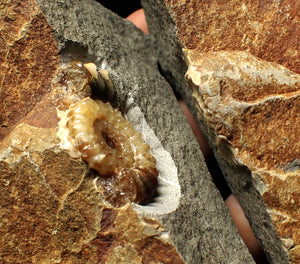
<point x="110" y="145"/>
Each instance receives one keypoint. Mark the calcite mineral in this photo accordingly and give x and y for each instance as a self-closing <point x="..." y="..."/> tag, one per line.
<point x="241" y="61"/>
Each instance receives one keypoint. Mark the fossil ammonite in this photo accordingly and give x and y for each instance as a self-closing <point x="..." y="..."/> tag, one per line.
<point x="110" y="145"/>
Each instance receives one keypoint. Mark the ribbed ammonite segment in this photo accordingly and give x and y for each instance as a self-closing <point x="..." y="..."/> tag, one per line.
<point x="110" y="145"/>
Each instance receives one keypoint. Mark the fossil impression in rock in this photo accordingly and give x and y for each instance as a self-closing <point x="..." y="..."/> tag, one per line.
<point x="102" y="137"/>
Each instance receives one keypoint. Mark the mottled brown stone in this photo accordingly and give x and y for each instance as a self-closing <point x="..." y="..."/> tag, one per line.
<point x="251" y="109"/>
<point x="34" y="214"/>
<point x="126" y="238"/>
<point x="155" y="250"/>
<point x="245" y="96"/>
<point x="43" y="114"/>
<point x="267" y="29"/>
<point x="29" y="57"/>
<point x="52" y="211"/>
<point x="143" y="238"/>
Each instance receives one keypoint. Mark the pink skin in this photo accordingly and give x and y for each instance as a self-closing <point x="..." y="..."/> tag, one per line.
<point x="232" y="203"/>
<point x="138" y="19"/>
<point x="236" y="211"/>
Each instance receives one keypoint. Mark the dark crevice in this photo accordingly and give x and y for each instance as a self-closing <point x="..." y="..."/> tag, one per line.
<point x="74" y="51"/>
<point x="122" y="8"/>
<point x="213" y="167"/>
<point x="218" y="177"/>
<point x="211" y="162"/>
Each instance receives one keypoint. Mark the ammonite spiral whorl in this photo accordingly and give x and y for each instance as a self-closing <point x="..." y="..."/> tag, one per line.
<point x="110" y="145"/>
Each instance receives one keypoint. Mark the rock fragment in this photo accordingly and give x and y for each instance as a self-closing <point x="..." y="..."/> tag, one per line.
<point x="237" y="66"/>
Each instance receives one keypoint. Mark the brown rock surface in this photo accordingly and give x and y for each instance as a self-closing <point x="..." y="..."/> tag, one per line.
<point x="252" y="112"/>
<point x="267" y="29"/>
<point x="241" y="60"/>
<point x="28" y="60"/>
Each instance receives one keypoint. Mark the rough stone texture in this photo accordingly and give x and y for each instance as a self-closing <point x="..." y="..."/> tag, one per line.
<point x="255" y="26"/>
<point x="251" y="110"/>
<point x="241" y="62"/>
<point x="24" y="61"/>
<point x="50" y="209"/>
